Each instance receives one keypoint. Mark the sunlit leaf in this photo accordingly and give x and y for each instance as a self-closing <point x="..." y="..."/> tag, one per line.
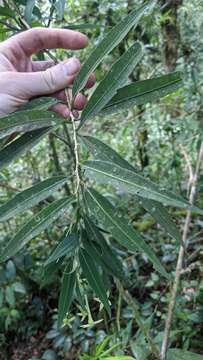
<point x="111" y="40"/>
<point x="66" y="247"/>
<point x="134" y="183"/>
<point x="93" y="277"/>
<point x="142" y="92"/>
<point x="119" y="227"/>
<point x="114" y="79"/>
<point x="67" y="292"/>
<point x="35" y="226"/>
<point x="30" y="197"/>
<point x="21" y="145"/>
<point x="23" y="121"/>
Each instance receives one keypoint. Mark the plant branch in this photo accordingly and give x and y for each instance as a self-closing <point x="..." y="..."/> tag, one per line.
<point x="179" y="266"/>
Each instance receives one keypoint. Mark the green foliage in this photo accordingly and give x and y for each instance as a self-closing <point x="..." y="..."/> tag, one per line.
<point x="108" y="236"/>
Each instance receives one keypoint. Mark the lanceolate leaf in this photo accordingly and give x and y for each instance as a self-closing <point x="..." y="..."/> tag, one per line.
<point x="67" y="292"/>
<point x="23" y="121"/>
<point x="142" y="92"/>
<point x="177" y="354"/>
<point x="102" y="209"/>
<point x="66" y="247"/>
<point x="114" y="79"/>
<point x="113" y="38"/>
<point x="21" y="145"/>
<point x="93" y="277"/>
<point x="134" y="183"/>
<point x="6" y="11"/>
<point x="106" y="254"/>
<point x="35" y="226"/>
<point x="42" y="103"/>
<point x="103" y="152"/>
<point x="30" y="197"/>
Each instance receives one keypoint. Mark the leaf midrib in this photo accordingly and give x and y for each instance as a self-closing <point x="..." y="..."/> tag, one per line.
<point x="132" y="184"/>
<point x="141" y="94"/>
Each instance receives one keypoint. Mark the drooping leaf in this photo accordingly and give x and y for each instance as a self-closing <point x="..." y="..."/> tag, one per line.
<point x="134" y="183"/>
<point x="30" y="197"/>
<point x="48" y="271"/>
<point x="67" y="292"/>
<point x="29" y="10"/>
<point x="21" y="145"/>
<point x="142" y="92"/>
<point x="114" y="79"/>
<point x="177" y="354"/>
<point x="66" y="247"/>
<point x="103" y="250"/>
<point x="111" y="40"/>
<point x="93" y="277"/>
<point x="103" y="152"/>
<point x="35" y="226"/>
<point x="103" y="210"/>
<point x="24" y="121"/>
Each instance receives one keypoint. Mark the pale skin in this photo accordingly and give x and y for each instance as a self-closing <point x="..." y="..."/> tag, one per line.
<point x="22" y="78"/>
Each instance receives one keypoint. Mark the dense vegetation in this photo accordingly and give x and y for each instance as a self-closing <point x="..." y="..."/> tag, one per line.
<point x="101" y="223"/>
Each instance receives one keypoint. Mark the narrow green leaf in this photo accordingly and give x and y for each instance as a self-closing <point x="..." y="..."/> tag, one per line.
<point x="111" y="40"/>
<point x="35" y="226"/>
<point x="66" y="247"/>
<point x="42" y="103"/>
<point x="114" y="79"/>
<point x="104" y="251"/>
<point x="142" y="92"/>
<point x="82" y="27"/>
<point x="177" y="354"/>
<point x="21" y="145"/>
<point x="103" y="152"/>
<point x="23" y="121"/>
<point x="102" y="209"/>
<point x="134" y="183"/>
<point x="119" y="357"/>
<point x="30" y="197"/>
<point x="6" y="11"/>
<point x="93" y="277"/>
<point x="29" y="10"/>
<point x="67" y="292"/>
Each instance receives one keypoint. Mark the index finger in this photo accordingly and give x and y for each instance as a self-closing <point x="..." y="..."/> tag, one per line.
<point x="36" y="39"/>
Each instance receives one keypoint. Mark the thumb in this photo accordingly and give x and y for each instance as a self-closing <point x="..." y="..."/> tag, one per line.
<point x="49" y="81"/>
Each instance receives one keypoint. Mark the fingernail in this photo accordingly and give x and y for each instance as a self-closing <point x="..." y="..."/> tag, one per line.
<point x="72" y="66"/>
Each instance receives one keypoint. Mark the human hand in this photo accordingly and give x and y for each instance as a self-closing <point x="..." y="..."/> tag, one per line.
<point x="22" y="79"/>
